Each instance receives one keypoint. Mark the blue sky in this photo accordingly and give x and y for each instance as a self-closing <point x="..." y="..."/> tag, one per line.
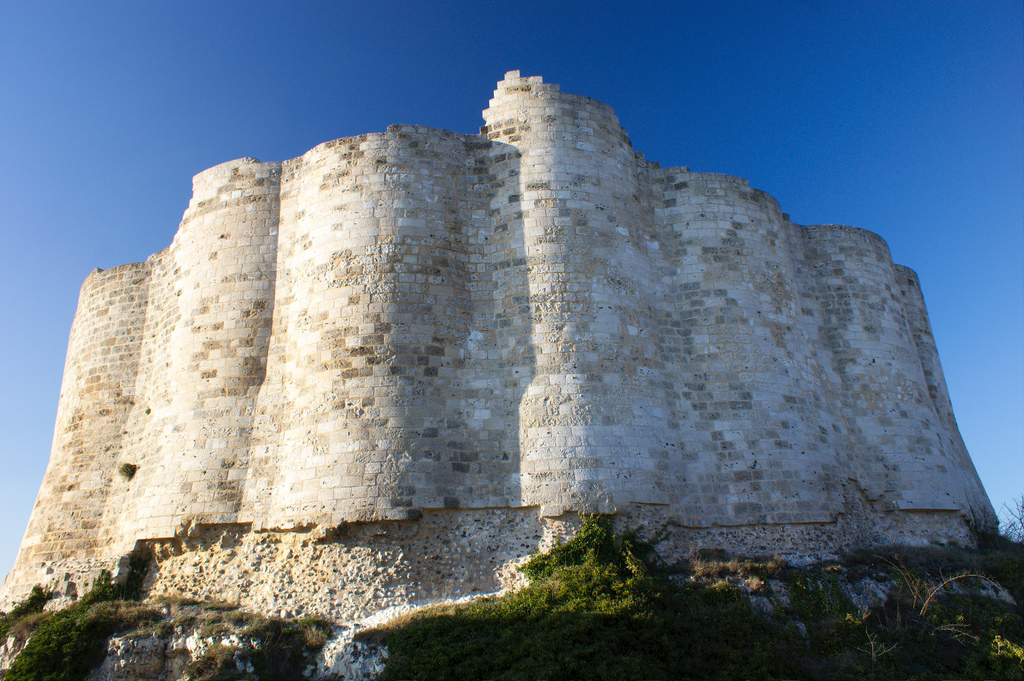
<point x="902" y="118"/>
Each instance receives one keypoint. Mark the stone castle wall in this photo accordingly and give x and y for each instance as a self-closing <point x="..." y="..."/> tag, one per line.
<point x="533" y="320"/>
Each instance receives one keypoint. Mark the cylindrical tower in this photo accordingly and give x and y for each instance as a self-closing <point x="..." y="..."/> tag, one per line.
<point x="970" y="494"/>
<point x="97" y="394"/>
<point x="371" y="328"/>
<point x="592" y="418"/>
<point x="895" y="450"/>
<point x="210" y="324"/>
<point x="756" y="435"/>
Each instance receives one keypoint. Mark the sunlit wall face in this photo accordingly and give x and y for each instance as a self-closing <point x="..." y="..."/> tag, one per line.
<point x="902" y="122"/>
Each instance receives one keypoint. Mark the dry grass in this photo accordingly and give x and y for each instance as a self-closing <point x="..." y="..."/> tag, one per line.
<point x="27" y="625"/>
<point x="715" y="566"/>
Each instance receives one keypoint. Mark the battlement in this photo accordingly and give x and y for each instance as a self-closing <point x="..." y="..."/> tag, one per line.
<point x="497" y="332"/>
<point x="514" y="83"/>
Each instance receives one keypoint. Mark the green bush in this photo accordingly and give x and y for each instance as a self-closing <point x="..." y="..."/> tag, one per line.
<point x="598" y="607"/>
<point x="601" y="606"/>
<point x="127" y="470"/>
<point x="628" y="554"/>
<point x="33" y="604"/>
<point x="72" y="641"/>
<point x="65" y="647"/>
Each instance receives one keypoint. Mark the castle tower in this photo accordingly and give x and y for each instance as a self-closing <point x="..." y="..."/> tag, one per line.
<point x="209" y="333"/>
<point x="894" y="449"/>
<point x="592" y="419"/>
<point x="971" y="495"/>
<point x="374" y="258"/>
<point x="82" y="487"/>
<point x="411" y="357"/>
<point x="756" y="430"/>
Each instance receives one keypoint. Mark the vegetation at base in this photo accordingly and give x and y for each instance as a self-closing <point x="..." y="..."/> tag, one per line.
<point x="598" y="607"/>
<point x="603" y="606"/>
<point x="69" y="643"/>
<point x="66" y="645"/>
<point x="935" y="623"/>
<point x="284" y="650"/>
<point x="30" y="606"/>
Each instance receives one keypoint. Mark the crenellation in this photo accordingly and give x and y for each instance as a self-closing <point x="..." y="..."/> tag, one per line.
<point x="402" y="339"/>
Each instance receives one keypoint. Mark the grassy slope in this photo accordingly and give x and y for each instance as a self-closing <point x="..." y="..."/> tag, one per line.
<point x="599" y="607"/>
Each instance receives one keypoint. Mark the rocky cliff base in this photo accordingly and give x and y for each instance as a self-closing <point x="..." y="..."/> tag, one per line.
<point x="602" y="605"/>
<point x="352" y="570"/>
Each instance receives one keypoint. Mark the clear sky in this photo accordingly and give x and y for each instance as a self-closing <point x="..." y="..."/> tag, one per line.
<point x="904" y="118"/>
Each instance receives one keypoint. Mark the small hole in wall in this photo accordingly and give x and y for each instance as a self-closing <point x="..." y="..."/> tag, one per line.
<point x="127" y="470"/>
<point x="148" y="411"/>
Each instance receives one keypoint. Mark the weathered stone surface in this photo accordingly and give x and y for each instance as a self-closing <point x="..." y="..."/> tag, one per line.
<point x="425" y="328"/>
<point x="138" y="656"/>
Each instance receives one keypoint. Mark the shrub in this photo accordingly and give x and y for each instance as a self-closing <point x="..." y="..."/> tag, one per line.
<point x="33" y="604"/>
<point x="71" y="642"/>
<point x="1013" y="528"/>
<point x="216" y="664"/>
<point x="128" y="470"/>
<point x="66" y="646"/>
<point x="598" y="607"/>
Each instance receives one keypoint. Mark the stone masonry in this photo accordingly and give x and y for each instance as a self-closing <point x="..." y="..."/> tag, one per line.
<point x="426" y="329"/>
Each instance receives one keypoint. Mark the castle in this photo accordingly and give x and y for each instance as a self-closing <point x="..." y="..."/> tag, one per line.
<point x="386" y="369"/>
